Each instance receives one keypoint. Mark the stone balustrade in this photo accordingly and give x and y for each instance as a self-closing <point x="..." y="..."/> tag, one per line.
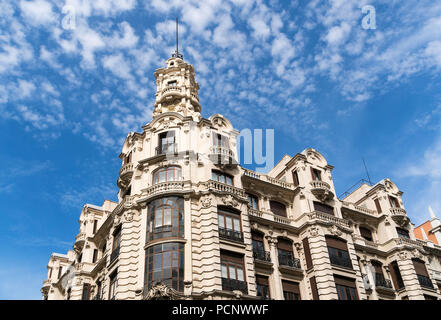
<point x="266" y="178"/>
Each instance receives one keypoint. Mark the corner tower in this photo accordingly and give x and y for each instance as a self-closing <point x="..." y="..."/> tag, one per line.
<point x="177" y="89"/>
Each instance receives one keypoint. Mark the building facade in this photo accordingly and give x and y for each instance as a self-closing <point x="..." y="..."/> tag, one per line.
<point x="191" y="223"/>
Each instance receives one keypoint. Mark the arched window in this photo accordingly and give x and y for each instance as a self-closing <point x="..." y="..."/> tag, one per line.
<point x="164" y="263"/>
<point x="167" y="174"/>
<point x="165" y="218"/>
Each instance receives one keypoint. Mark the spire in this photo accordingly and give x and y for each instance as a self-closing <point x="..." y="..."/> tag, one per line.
<point x="177" y="54"/>
<point x="432" y="214"/>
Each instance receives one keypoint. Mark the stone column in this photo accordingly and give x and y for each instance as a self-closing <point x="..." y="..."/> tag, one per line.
<point x="277" y="293"/>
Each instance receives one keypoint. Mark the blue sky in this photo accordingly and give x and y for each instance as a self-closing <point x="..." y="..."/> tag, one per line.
<point x="308" y="69"/>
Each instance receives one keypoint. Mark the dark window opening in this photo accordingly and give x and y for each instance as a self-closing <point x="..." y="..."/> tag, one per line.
<point x="295" y="178"/>
<point x="232" y="272"/>
<point x="221" y="177"/>
<point x="316" y="174"/>
<point x="291" y="290"/>
<point x="403" y="233"/>
<point x="262" y="287"/>
<point x="253" y="202"/>
<point x="346" y="289"/>
<point x="230" y="225"/>
<point x="338" y="252"/>
<point x="278" y="208"/>
<point x="166" y="143"/>
<point x="321" y="207"/>
<point x="366" y="233"/>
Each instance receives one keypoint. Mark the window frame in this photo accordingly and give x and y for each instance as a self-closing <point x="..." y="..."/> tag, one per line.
<point x="251" y="198"/>
<point x="216" y="175"/>
<point x="177" y="174"/>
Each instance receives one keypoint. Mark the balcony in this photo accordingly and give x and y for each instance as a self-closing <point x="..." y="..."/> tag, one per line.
<point x="125" y="170"/>
<point x="231" y="235"/>
<point x="166" y="149"/>
<point x="164" y="187"/>
<point x="321" y="190"/>
<point x="425" y="282"/>
<point x="171" y="91"/>
<point x="80" y="239"/>
<point x="399" y="216"/>
<point x="383" y="285"/>
<point x="114" y="255"/>
<point x="340" y="260"/>
<point x="232" y="285"/>
<point x="328" y="219"/>
<point x="226" y="188"/>
<point x="267" y="179"/>
<point x="222" y="156"/>
<point x="261" y="255"/>
<point x="289" y="262"/>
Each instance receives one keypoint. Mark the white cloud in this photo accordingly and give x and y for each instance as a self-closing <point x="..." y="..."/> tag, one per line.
<point x="118" y="66"/>
<point x="128" y="39"/>
<point x="37" y="12"/>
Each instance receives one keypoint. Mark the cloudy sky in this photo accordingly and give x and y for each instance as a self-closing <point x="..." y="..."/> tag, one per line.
<point x="71" y="90"/>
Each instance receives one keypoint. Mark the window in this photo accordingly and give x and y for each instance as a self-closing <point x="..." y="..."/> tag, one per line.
<point x="403" y="233"/>
<point x="221" y="177"/>
<point x="165" y="218"/>
<point x="338" y="252"/>
<point x="113" y="285"/>
<point x="69" y="291"/>
<point x="98" y="290"/>
<point x="259" y="252"/>
<point x="95" y="255"/>
<point x="307" y="252"/>
<point x="115" y="244"/>
<point x="232" y="271"/>
<point x="166" y="143"/>
<point x="221" y="141"/>
<point x="86" y="292"/>
<point x="396" y="275"/>
<point x="422" y="274"/>
<point x="165" y="264"/>
<point x="253" y="202"/>
<point x="366" y="233"/>
<point x="315" y="294"/>
<point x="167" y="174"/>
<point x="173" y="83"/>
<point x="229" y="224"/>
<point x="380" y="280"/>
<point x="60" y="272"/>
<point x="377" y="205"/>
<point x="285" y="253"/>
<point x="291" y="290"/>
<point x="50" y="273"/>
<point x="316" y="174"/>
<point x="95" y="224"/>
<point x="295" y="178"/>
<point x="262" y="287"/>
<point x="394" y="202"/>
<point x="346" y="289"/>
<point x="321" y="207"/>
<point x="278" y="208"/>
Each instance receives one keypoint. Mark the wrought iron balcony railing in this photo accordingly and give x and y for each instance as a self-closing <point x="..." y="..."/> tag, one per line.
<point x="114" y="255"/>
<point x="289" y="261"/>
<point x="262" y="255"/>
<point x="230" y="234"/>
<point x="341" y="261"/>
<point x="380" y="281"/>
<point x="232" y="284"/>
<point x="167" y="149"/>
<point x="425" y="281"/>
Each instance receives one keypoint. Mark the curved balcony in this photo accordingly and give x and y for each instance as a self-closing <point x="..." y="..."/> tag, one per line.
<point x="399" y="215"/>
<point x="164" y="187"/>
<point x="170" y="92"/>
<point x="125" y="175"/>
<point x="321" y="190"/>
<point x="80" y="239"/>
<point x="222" y="156"/>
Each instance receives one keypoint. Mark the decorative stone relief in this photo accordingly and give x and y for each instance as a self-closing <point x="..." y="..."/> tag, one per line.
<point x="230" y="201"/>
<point x="128" y="216"/>
<point x="335" y="231"/>
<point x="313" y="231"/>
<point x="162" y="292"/>
<point x="206" y="202"/>
<point x="402" y="255"/>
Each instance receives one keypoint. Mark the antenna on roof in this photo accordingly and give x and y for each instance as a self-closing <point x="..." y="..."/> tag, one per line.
<point x="177" y="54"/>
<point x="367" y="172"/>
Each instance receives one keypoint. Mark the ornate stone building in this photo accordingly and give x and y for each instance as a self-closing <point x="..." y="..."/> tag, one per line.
<point x="191" y="223"/>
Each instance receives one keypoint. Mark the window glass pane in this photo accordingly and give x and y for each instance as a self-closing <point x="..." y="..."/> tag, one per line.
<point x="224" y="271"/>
<point x="229" y="181"/>
<point x="167" y="216"/>
<point x="213" y="176"/>
<point x="221" y="221"/>
<point x="158" y="218"/>
<point x="157" y="264"/>
<point x="236" y="225"/>
<point x="232" y="272"/>
<point x="166" y="259"/>
<point x="240" y="274"/>
<point x="229" y="223"/>
<point x="162" y="176"/>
